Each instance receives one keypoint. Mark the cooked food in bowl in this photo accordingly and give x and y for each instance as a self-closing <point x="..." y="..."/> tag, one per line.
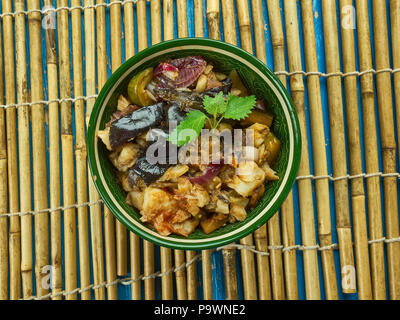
<point x="191" y="146"/>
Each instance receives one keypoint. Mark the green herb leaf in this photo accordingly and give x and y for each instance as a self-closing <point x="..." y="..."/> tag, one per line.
<point x="239" y="107"/>
<point x="216" y="105"/>
<point x="189" y="129"/>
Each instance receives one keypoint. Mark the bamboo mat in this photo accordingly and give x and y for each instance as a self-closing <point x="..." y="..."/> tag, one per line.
<point x="335" y="237"/>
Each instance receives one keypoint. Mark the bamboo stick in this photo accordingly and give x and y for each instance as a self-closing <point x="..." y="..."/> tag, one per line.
<point x="278" y="43"/>
<point x="39" y="148"/>
<point x="205" y="254"/>
<point x="207" y="275"/>
<point x="3" y="192"/>
<point x="67" y="152"/>
<point x="318" y="136"/>
<point x="168" y="10"/>
<point x="80" y="151"/>
<point x="244" y="24"/>
<point x="109" y="222"/>
<point x="134" y="240"/>
<point x="228" y="14"/>
<point x="94" y="210"/>
<point x="182" y="18"/>
<point x="384" y="89"/>
<point x="371" y="157"/>
<point x="54" y="156"/>
<point x="191" y="276"/>
<point x="357" y="185"/>
<point x="167" y="285"/>
<point x="248" y="268"/>
<point x="343" y="224"/>
<point x="148" y="247"/>
<point x="121" y="232"/>
<point x="198" y="18"/>
<point x="213" y="19"/>
<point x="310" y="257"/>
<point x="324" y="224"/>
<point x="15" y="243"/>
<point x="231" y="287"/>
<point x="395" y="21"/>
<point x="155" y="12"/>
<point x="165" y="253"/>
<point x="228" y="255"/>
<point x="180" y="275"/>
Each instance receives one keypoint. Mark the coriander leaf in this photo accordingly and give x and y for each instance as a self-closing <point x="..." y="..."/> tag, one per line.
<point x="216" y="105"/>
<point x="239" y="107"/>
<point x="188" y="129"/>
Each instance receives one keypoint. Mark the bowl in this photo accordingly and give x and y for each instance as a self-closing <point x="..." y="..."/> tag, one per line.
<point x="261" y="82"/>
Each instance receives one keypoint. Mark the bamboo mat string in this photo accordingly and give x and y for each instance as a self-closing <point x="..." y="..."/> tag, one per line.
<point x="54" y="155"/>
<point x="357" y="185"/>
<point x="260" y="235"/>
<point x="96" y="225"/>
<point x="278" y="44"/>
<point x="384" y="89"/>
<point x="80" y="152"/>
<point x="312" y="283"/>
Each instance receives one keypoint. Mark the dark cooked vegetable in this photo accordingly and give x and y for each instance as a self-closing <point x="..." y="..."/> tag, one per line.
<point x="147" y="171"/>
<point x="119" y="114"/>
<point x="179" y="73"/>
<point x="135" y="123"/>
<point x="225" y="88"/>
<point x="185" y="98"/>
<point x="188" y="98"/>
<point x="176" y="114"/>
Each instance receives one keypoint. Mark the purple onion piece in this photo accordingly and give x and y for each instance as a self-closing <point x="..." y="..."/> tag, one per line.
<point x="189" y="69"/>
<point x="209" y="173"/>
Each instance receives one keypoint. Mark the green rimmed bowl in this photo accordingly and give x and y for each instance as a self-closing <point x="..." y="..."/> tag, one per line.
<point x="261" y="82"/>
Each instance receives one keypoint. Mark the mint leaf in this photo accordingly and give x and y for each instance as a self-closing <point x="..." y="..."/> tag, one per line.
<point x="239" y="107"/>
<point x="189" y="129"/>
<point x="216" y="105"/>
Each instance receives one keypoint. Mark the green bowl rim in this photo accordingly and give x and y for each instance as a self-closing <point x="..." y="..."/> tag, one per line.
<point x="210" y="43"/>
